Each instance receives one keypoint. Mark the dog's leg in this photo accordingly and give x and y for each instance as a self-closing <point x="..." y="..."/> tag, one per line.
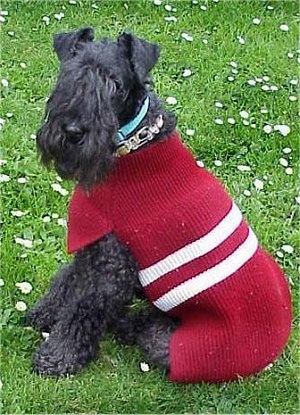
<point x="73" y="341"/>
<point x="152" y="331"/>
<point x="103" y="281"/>
<point x="45" y="313"/>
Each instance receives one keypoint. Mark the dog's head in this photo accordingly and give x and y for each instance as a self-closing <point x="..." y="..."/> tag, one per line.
<point x="99" y="86"/>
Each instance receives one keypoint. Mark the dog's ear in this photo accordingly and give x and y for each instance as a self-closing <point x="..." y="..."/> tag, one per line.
<point x="142" y="55"/>
<point x="65" y="44"/>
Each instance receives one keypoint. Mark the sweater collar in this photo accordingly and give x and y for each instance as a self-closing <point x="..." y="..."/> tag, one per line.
<point x="164" y="156"/>
<point x="129" y="139"/>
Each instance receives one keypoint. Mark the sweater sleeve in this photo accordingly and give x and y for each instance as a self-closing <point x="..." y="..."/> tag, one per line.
<point x="87" y="219"/>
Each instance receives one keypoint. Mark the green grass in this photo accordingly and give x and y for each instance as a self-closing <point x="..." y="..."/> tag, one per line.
<point x="114" y="383"/>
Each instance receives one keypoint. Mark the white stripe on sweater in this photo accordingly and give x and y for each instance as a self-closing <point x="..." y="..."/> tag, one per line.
<point x="210" y="277"/>
<point x="195" y="249"/>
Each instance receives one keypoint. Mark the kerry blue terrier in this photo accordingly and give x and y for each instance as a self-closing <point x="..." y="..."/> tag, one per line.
<point x="145" y="220"/>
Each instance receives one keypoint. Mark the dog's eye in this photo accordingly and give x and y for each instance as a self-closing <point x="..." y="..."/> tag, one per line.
<point x="74" y="134"/>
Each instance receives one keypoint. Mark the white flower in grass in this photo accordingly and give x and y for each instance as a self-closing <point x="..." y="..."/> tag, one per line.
<point x="234" y="71"/>
<point x="187" y="37"/>
<point x="57" y="188"/>
<point x="55" y="215"/>
<point x="144" y="367"/>
<point x="203" y="7"/>
<point x="256" y="21"/>
<point x="289" y="171"/>
<point x="252" y="82"/>
<point x="244" y="114"/>
<point x="200" y="163"/>
<point x="72" y="1"/>
<point x="4" y="82"/>
<point x="258" y="184"/>
<point x="241" y="40"/>
<point x="218" y="163"/>
<point x="287" y="150"/>
<point x="23" y="65"/>
<point x="2" y="19"/>
<point x="157" y="2"/>
<point x="283" y="162"/>
<point x="270" y="8"/>
<point x="2" y="121"/>
<point x="284" y="27"/>
<point x="264" y="111"/>
<point x="4" y="178"/>
<point x="21" y="306"/>
<point x="294" y="81"/>
<point x="265" y="88"/>
<point x="258" y="79"/>
<point x="290" y="55"/>
<point x="22" y="180"/>
<point x="219" y="104"/>
<point x="205" y="41"/>
<point x="190" y="132"/>
<point x="62" y="222"/>
<point x="187" y="73"/>
<point x="46" y="20"/>
<point x="283" y="129"/>
<point x="279" y="254"/>
<point x="219" y="121"/>
<point x="231" y="121"/>
<point x="231" y="78"/>
<point x="243" y="168"/>
<point x="168" y="8"/>
<point x="288" y="249"/>
<point x="247" y="193"/>
<point x="33" y="136"/>
<point x="1" y="282"/>
<point x="274" y="88"/>
<point x="171" y="19"/>
<point x="24" y="287"/>
<point x="268" y="129"/>
<point x="297" y="198"/>
<point x="59" y="16"/>
<point x="11" y="33"/>
<point x="246" y="122"/>
<point x="3" y="162"/>
<point x="269" y="367"/>
<point x="46" y="219"/>
<point x="292" y="98"/>
<point x="266" y="78"/>
<point x="9" y="114"/>
<point x="171" y="101"/>
<point x="4" y="13"/>
<point x="94" y="6"/>
<point x="17" y="213"/>
<point x="27" y="243"/>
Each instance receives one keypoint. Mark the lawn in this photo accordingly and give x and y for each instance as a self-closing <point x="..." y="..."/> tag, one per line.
<point x="232" y="69"/>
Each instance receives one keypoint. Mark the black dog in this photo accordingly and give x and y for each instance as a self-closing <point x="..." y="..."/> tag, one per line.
<point x="100" y="87"/>
<point x="101" y="120"/>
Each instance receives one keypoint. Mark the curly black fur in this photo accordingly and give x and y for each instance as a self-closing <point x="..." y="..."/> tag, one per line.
<point x="100" y="87"/>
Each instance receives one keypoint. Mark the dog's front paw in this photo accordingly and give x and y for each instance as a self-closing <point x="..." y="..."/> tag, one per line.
<point x="60" y="355"/>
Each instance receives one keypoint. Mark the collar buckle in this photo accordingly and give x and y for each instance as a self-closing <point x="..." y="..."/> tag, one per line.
<point x="140" y="138"/>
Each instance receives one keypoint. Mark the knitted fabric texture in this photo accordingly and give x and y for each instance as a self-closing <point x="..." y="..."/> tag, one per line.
<point x="199" y="261"/>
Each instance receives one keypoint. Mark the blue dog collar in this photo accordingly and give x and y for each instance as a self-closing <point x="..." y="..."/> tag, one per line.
<point x="125" y="131"/>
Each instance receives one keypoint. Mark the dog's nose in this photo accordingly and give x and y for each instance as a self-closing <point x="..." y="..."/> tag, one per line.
<point x="74" y="133"/>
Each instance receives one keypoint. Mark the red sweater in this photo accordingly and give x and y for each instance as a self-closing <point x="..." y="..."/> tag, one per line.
<point x="199" y="261"/>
